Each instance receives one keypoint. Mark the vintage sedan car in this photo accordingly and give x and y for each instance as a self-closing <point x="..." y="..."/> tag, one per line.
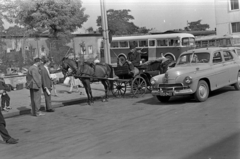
<point x="198" y="72"/>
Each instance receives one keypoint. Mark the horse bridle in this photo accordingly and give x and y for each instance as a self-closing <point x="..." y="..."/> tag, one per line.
<point x="66" y="70"/>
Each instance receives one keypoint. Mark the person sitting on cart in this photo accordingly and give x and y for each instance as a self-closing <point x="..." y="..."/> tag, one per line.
<point x="133" y="59"/>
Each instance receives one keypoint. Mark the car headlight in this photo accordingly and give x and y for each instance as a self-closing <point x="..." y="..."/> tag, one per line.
<point x="187" y="80"/>
<point x="153" y="81"/>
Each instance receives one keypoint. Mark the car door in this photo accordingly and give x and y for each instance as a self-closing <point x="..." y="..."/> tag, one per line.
<point x="231" y="65"/>
<point x="219" y="72"/>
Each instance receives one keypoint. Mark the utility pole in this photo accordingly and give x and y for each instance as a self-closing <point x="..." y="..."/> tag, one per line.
<point x="107" y="56"/>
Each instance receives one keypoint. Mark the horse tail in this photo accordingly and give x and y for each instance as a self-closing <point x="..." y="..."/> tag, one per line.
<point x="111" y="76"/>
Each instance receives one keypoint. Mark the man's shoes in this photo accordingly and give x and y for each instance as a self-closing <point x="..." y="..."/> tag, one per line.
<point x="39" y="114"/>
<point x="50" y="110"/>
<point x="8" y="107"/>
<point x="12" y="141"/>
<point x="5" y="109"/>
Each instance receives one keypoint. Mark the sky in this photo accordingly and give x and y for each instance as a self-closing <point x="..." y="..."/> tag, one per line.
<point x="162" y="15"/>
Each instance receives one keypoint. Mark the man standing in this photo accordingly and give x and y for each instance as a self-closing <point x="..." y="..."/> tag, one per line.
<point x="46" y="83"/>
<point x="34" y="84"/>
<point x="4" y="133"/>
<point x="134" y="59"/>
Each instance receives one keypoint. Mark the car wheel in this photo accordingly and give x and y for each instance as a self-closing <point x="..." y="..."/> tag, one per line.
<point x="237" y="84"/>
<point x="163" y="99"/>
<point x="202" y="92"/>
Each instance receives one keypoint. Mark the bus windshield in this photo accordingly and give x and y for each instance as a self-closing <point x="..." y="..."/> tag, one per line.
<point x="201" y="57"/>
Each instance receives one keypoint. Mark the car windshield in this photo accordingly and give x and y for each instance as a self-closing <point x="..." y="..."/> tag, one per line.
<point x="200" y="57"/>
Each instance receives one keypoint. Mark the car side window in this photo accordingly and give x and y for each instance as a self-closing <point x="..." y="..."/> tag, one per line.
<point x="227" y="56"/>
<point x="217" y="58"/>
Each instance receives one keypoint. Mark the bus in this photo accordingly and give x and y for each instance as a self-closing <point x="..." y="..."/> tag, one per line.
<point x="218" y="41"/>
<point x="151" y="46"/>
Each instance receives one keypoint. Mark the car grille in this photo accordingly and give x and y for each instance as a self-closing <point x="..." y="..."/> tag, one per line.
<point x="171" y="87"/>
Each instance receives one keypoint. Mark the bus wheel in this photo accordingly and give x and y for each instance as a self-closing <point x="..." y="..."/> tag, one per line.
<point x="170" y="57"/>
<point x="121" y="60"/>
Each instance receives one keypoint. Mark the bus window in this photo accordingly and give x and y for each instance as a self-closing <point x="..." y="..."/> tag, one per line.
<point x="173" y="42"/>
<point x="162" y="42"/>
<point x="185" y="41"/>
<point x="191" y="41"/>
<point x="205" y="43"/>
<point x="114" y="44"/>
<point x="211" y="42"/>
<point x="198" y="44"/>
<point x="228" y="42"/>
<point x="217" y="42"/>
<point x="151" y="42"/>
<point x="143" y="43"/>
<point x="220" y="42"/>
<point x="123" y="44"/>
<point x="133" y="43"/>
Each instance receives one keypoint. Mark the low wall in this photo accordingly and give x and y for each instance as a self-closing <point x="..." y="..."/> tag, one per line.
<point x="15" y="79"/>
<point x="21" y="79"/>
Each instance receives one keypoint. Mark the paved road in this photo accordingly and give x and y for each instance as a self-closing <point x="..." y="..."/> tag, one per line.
<point x="132" y="128"/>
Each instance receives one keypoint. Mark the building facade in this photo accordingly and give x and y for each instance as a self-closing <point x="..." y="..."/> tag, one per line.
<point x="227" y="13"/>
<point x="22" y="50"/>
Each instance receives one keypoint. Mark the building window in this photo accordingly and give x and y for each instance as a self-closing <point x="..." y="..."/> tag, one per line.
<point x="235" y="27"/>
<point x="234" y="4"/>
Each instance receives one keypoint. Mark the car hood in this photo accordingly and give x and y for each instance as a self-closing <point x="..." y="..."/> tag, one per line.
<point x="186" y="69"/>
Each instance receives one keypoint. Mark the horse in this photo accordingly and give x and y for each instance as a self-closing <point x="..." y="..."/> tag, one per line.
<point x="89" y="73"/>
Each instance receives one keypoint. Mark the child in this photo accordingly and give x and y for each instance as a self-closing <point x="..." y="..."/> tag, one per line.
<point x="5" y="99"/>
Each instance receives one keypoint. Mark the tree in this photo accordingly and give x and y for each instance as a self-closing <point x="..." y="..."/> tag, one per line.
<point x="90" y="30"/>
<point x="119" y="22"/>
<point x="196" y="26"/>
<point x="143" y="30"/>
<point x="59" y="17"/>
<point x="8" y="10"/>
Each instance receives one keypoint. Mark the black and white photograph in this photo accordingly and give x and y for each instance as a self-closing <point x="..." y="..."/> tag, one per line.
<point x="120" y="79"/>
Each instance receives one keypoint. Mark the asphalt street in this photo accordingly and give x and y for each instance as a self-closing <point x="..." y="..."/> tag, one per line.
<point x="132" y="128"/>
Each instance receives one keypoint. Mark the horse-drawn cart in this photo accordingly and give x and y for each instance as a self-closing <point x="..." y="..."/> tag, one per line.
<point x="138" y="84"/>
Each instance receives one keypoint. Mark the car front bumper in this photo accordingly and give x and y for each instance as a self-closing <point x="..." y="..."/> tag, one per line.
<point x="172" y="90"/>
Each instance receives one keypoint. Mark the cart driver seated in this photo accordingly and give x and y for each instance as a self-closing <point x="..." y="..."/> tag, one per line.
<point x="133" y="59"/>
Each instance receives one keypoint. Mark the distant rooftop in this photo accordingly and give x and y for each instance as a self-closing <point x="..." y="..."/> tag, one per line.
<point x="195" y="33"/>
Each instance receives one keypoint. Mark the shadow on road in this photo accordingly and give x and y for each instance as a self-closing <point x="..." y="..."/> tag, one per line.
<point x="227" y="148"/>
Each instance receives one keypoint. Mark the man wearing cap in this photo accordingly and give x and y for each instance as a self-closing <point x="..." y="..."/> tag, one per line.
<point x="34" y="84"/>
<point x="133" y="59"/>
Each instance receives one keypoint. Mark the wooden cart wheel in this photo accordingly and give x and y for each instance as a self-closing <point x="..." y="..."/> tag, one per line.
<point x="119" y="88"/>
<point x="139" y="86"/>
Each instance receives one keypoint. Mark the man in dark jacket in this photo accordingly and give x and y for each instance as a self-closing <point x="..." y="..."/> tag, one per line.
<point x="46" y="83"/>
<point x="133" y="59"/>
<point x="34" y="84"/>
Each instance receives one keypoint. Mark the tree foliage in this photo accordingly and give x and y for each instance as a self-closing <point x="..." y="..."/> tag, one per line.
<point x="8" y="11"/>
<point x="119" y="22"/>
<point x="58" y="17"/>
